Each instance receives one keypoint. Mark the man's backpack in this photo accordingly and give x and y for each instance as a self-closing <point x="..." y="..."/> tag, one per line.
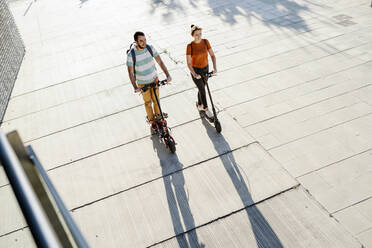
<point x="205" y="42"/>
<point x="131" y="51"/>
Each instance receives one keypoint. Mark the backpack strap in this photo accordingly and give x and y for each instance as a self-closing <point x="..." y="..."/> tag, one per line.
<point x="134" y="61"/>
<point x="150" y="50"/>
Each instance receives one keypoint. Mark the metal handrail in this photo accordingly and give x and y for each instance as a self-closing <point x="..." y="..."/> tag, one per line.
<point x="40" y="226"/>
<point x="78" y="237"/>
<point x="49" y="220"/>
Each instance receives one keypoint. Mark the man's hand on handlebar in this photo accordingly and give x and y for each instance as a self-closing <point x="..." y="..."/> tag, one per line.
<point x="169" y="79"/>
<point x="197" y="76"/>
<point x="137" y="90"/>
<point x="214" y="72"/>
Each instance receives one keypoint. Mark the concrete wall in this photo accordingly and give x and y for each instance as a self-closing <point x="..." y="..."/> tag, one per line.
<point x="12" y="51"/>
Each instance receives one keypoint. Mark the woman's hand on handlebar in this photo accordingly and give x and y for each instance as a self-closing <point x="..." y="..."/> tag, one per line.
<point x="197" y="76"/>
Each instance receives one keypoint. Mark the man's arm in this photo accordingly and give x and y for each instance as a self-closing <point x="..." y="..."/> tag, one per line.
<point x="132" y="79"/>
<point x="163" y="67"/>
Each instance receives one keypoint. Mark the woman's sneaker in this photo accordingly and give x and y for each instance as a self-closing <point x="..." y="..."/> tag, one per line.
<point x="209" y="114"/>
<point x="200" y="108"/>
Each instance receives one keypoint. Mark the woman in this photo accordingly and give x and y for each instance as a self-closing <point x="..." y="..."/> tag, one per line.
<point x="197" y="61"/>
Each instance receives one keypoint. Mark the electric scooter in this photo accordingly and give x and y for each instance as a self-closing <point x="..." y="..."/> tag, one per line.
<point x="214" y="119"/>
<point x="160" y="124"/>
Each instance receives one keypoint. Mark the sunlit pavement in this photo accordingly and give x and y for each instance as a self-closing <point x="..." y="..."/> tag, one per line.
<point x="291" y="168"/>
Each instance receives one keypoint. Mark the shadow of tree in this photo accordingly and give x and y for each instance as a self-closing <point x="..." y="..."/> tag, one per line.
<point x="171" y="8"/>
<point x="177" y="198"/>
<point x="278" y="13"/>
<point x="82" y="2"/>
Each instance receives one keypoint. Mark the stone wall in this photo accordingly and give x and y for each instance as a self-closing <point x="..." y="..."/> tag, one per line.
<point x="12" y="51"/>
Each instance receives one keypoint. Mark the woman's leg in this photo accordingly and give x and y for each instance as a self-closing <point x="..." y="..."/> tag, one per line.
<point x="202" y="99"/>
<point x="199" y="98"/>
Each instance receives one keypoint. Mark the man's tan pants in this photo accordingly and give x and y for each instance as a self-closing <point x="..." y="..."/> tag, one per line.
<point x="149" y="99"/>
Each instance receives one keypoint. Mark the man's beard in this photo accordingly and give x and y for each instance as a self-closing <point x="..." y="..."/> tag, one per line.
<point x="141" y="47"/>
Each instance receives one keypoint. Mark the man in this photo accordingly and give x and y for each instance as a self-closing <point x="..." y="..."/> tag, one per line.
<point x="142" y="71"/>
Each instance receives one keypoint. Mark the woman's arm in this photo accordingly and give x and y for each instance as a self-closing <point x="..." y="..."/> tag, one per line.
<point x="188" y="58"/>
<point x="213" y="57"/>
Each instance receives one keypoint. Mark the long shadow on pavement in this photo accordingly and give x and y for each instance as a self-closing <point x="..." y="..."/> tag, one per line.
<point x="177" y="198"/>
<point x="264" y="234"/>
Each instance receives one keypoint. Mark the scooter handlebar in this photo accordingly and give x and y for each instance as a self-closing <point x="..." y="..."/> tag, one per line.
<point x="153" y="84"/>
<point x="209" y="74"/>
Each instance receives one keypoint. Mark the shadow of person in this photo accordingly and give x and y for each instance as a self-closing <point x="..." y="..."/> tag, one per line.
<point x="177" y="198"/>
<point x="263" y="233"/>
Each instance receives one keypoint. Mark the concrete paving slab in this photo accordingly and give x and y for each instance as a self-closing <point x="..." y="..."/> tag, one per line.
<point x="255" y="44"/>
<point x="117" y="170"/>
<point x="306" y="94"/>
<point x="71" y="70"/>
<point x="365" y="95"/>
<point x="3" y="178"/>
<point x="287" y="79"/>
<point x="64" y="92"/>
<point x="76" y="90"/>
<point x="365" y="238"/>
<point x="88" y="109"/>
<point x="265" y="67"/>
<point x="310" y="120"/>
<point x="357" y="219"/>
<point x="342" y="184"/>
<point x="34" y="80"/>
<point x="103" y="134"/>
<point x="324" y="148"/>
<point x="351" y="40"/>
<point x="183" y="200"/>
<point x="18" y="239"/>
<point x="312" y="52"/>
<point x="362" y="52"/>
<point x="10" y="213"/>
<point x="290" y="219"/>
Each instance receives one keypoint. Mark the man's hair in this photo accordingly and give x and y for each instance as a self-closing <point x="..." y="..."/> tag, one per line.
<point x="138" y="33"/>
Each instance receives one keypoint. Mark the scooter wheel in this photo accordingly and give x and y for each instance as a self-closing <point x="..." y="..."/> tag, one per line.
<point x="152" y="131"/>
<point x="171" y="145"/>
<point x="217" y="125"/>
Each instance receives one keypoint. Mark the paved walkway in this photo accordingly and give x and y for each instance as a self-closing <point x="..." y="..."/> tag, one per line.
<point x="292" y="167"/>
